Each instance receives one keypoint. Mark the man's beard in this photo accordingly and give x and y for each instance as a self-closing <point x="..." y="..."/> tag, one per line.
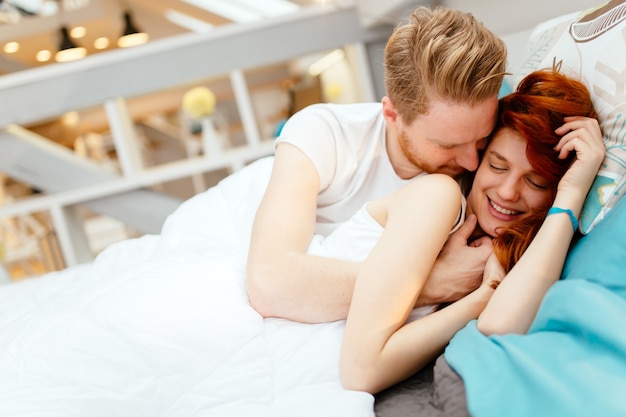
<point x="421" y="163"/>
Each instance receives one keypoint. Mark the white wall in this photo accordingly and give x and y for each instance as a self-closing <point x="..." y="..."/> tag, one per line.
<point x="514" y="20"/>
<point x="501" y="16"/>
<point x="509" y="16"/>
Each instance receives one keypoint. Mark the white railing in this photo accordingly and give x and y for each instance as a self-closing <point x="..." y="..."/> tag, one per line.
<point x="39" y="94"/>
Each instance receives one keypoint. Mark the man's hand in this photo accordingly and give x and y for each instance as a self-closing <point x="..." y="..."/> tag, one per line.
<point x="494" y="272"/>
<point x="459" y="268"/>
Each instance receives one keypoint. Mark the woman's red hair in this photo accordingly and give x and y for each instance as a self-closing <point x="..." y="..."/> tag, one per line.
<point x="535" y="110"/>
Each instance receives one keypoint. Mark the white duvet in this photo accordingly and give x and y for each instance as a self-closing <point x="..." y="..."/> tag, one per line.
<point x="162" y="326"/>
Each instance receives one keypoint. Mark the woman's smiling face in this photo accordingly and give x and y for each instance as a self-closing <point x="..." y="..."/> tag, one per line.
<point x="506" y="187"/>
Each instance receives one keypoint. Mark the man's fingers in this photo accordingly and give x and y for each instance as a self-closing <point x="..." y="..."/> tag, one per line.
<point x="467" y="228"/>
<point x="484" y="242"/>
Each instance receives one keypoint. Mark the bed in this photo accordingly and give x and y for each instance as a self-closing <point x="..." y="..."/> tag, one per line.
<point x="161" y="325"/>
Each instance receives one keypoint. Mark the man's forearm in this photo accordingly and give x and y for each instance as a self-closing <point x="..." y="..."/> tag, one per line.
<point x="446" y="284"/>
<point x="302" y="287"/>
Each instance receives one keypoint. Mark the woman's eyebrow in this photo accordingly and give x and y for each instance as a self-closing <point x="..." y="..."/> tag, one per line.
<point x="497" y="155"/>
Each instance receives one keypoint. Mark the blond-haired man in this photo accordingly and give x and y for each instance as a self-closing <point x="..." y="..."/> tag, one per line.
<point x="443" y="72"/>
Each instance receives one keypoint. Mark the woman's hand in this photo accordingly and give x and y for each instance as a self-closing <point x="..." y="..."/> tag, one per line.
<point x="583" y="136"/>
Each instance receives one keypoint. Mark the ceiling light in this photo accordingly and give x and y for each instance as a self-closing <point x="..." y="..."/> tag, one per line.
<point x="101" y="43"/>
<point x="68" y="50"/>
<point x="78" y="32"/>
<point x="71" y="118"/>
<point x="131" y="35"/>
<point x="43" y="55"/>
<point x="11" y="47"/>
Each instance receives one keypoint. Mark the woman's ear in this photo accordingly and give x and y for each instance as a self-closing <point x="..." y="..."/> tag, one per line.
<point x="389" y="112"/>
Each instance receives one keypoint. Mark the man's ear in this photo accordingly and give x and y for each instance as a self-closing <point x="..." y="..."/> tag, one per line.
<point x="389" y="112"/>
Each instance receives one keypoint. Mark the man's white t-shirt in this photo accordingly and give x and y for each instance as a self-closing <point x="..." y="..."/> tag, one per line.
<point x="347" y="145"/>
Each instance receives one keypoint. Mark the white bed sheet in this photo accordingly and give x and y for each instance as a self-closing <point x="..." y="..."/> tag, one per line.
<point x="162" y="326"/>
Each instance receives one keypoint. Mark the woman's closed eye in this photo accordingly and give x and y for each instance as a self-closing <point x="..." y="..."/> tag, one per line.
<point x="537" y="184"/>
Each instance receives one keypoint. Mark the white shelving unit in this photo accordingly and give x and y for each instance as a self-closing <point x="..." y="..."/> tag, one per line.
<point x="110" y="79"/>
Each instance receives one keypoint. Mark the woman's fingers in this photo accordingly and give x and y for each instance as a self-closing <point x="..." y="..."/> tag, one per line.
<point x="580" y="134"/>
<point x="583" y="136"/>
<point x="576" y="122"/>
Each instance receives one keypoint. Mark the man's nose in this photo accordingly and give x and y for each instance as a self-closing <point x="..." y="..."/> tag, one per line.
<point x="468" y="159"/>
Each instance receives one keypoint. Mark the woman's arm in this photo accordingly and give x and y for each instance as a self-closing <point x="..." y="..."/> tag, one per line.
<point x="514" y="305"/>
<point x="378" y="349"/>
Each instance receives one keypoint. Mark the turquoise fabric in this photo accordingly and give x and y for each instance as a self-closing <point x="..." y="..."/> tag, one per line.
<point x="572" y="362"/>
<point x="505" y="88"/>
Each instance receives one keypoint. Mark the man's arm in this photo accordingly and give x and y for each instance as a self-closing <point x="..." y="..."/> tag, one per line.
<point x="459" y="268"/>
<point x="282" y="280"/>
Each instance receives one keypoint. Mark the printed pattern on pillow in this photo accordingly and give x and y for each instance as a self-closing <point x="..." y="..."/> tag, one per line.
<point x="592" y="47"/>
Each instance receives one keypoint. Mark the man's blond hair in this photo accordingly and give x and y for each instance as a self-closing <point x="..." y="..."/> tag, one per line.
<point x="442" y="53"/>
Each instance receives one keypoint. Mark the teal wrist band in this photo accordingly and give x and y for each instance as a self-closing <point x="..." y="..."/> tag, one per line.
<point x="573" y="219"/>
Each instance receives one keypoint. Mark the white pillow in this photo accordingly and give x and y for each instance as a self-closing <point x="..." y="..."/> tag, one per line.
<point x="592" y="47"/>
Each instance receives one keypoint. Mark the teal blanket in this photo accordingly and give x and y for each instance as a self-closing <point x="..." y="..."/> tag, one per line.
<point x="572" y="362"/>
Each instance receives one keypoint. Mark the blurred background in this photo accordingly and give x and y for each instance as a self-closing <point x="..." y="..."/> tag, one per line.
<point x="113" y="112"/>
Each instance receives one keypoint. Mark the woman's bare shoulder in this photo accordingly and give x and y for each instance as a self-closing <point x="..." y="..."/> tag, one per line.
<point x="433" y="189"/>
<point x="435" y="185"/>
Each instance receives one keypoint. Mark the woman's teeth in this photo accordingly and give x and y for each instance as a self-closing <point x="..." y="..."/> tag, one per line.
<point x="502" y="209"/>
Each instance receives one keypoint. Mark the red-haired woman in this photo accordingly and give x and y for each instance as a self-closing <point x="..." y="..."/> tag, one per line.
<point x="532" y="181"/>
